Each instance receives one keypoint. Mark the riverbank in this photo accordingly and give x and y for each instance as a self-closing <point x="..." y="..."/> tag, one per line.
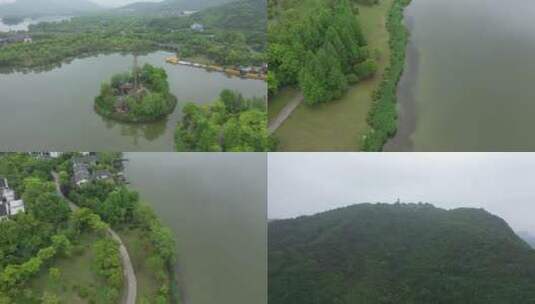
<point x="406" y="101"/>
<point x="383" y="115"/>
<point x="130" y="295"/>
<point x="255" y="73"/>
<point x="146" y="247"/>
<point x="217" y="223"/>
<point x="340" y="124"/>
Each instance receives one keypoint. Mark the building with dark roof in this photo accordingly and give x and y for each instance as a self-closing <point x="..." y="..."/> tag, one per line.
<point x="80" y="173"/>
<point x="102" y="175"/>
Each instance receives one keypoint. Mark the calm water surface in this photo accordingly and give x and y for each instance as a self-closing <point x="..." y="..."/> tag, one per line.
<point x="215" y="203"/>
<point x="469" y="78"/>
<point x="53" y="110"/>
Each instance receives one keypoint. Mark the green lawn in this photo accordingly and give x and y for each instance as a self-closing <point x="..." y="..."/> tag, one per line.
<point x="140" y="249"/>
<point x="338" y="125"/>
<point x="76" y="277"/>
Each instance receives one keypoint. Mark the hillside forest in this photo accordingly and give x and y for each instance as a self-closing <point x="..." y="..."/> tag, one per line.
<point x="400" y="253"/>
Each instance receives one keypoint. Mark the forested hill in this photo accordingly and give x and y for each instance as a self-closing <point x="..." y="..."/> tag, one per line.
<point x="237" y="15"/>
<point x="402" y="253"/>
<point x="245" y="16"/>
<point x="47" y="7"/>
<point x="167" y="6"/>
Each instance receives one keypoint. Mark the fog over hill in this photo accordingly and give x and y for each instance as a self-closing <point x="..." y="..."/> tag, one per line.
<point x="118" y="3"/>
<point x="166" y="5"/>
<point x="501" y="183"/>
<point x="47" y="7"/>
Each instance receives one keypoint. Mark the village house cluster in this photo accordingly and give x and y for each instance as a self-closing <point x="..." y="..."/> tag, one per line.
<point x="81" y="168"/>
<point x="9" y="205"/>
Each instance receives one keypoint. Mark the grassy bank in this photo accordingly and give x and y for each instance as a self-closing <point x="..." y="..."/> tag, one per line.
<point x="383" y="116"/>
<point x="339" y="125"/>
<point x="77" y="281"/>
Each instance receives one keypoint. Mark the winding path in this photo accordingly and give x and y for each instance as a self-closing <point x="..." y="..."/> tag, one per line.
<point x="284" y="113"/>
<point x="131" y="281"/>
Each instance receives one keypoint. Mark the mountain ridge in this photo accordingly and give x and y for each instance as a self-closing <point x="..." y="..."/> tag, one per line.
<point x="170" y="5"/>
<point x="400" y="253"/>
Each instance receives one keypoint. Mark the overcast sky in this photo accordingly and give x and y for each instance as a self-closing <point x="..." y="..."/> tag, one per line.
<point x="308" y="183"/>
<point x="108" y="3"/>
<point x="117" y="3"/>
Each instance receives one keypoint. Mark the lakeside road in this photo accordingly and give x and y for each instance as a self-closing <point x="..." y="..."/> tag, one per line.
<point x="284" y="113"/>
<point x="131" y="282"/>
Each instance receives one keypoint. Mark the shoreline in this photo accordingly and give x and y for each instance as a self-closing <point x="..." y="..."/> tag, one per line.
<point x="406" y="103"/>
<point x="177" y="291"/>
<point x="383" y="117"/>
<point x="230" y="72"/>
<point x="123" y="117"/>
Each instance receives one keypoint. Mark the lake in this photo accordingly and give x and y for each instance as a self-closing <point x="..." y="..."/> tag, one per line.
<point x="23" y="26"/>
<point x="215" y="203"/>
<point x="469" y="77"/>
<point x="53" y="110"/>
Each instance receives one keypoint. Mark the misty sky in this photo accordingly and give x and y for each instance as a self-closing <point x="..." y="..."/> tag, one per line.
<point x="307" y="183"/>
<point x="117" y="3"/>
<point x="108" y="3"/>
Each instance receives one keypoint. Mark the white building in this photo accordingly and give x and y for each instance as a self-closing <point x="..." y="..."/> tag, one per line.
<point x="55" y="154"/>
<point x="8" y="194"/>
<point x="16" y="207"/>
<point x="9" y="206"/>
<point x="197" y="27"/>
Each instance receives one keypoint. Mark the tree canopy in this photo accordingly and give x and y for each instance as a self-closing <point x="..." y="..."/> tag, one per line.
<point x="318" y="46"/>
<point x="401" y="253"/>
<point x="232" y="123"/>
<point x="140" y="96"/>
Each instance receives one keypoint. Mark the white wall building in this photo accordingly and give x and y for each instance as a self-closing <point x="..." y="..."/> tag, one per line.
<point x="9" y="206"/>
<point x="16" y="207"/>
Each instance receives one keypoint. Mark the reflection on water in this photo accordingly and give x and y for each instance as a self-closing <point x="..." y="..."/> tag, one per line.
<point x="53" y="110"/>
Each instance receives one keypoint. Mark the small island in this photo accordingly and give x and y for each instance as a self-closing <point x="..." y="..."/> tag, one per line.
<point x="140" y="96"/>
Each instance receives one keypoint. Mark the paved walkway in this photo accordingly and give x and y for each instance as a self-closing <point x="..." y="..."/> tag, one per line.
<point x="284" y="113"/>
<point x="131" y="281"/>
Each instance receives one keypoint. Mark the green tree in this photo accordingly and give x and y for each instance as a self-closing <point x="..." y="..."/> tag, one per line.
<point x="49" y="298"/>
<point x="54" y="273"/>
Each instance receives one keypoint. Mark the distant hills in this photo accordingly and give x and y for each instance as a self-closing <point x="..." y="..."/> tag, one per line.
<point x="402" y="253"/>
<point x="168" y="6"/>
<point x="237" y="15"/>
<point x="46" y="7"/>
